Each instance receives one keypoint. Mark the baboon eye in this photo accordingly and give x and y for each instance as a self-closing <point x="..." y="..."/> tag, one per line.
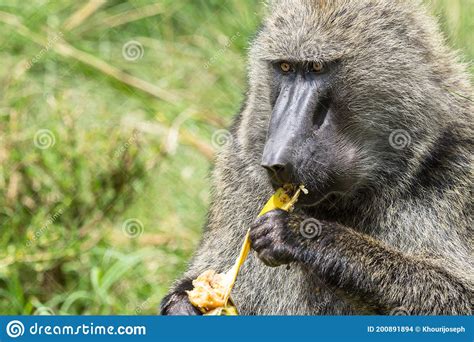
<point x="285" y="66"/>
<point x="317" y="67"/>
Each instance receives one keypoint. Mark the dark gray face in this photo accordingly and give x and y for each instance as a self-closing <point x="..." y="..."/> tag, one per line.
<point x="304" y="144"/>
<point x="301" y="103"/>
<point x="330" y="84"/>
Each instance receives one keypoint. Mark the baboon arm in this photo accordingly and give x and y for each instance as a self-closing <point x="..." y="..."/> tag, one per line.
<point x="384" y="276"/>
<point x="216" y="251"/>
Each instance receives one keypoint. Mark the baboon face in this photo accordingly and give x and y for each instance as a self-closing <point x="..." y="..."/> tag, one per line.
<point x="333" y="76"/>
<point x="304" y="139"/>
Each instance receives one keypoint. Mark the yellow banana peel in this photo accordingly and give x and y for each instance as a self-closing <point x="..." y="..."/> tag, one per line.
<point x="212" y="285"/>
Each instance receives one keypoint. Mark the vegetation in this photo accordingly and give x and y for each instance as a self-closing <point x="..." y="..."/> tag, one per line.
<point x="108" y="110"/>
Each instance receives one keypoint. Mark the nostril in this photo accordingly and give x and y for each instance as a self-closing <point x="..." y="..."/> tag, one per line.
<point x="275" y="169"/>
<point x="279" y="172"/>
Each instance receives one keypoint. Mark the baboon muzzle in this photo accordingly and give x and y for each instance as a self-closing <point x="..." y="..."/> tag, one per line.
<point x="293" y="119"/>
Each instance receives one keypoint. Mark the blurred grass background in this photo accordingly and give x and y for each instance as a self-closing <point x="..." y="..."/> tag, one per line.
<point x="107" y="115"/>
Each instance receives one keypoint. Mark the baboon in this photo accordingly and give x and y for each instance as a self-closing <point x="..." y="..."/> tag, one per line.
<point x="363" y="103"/>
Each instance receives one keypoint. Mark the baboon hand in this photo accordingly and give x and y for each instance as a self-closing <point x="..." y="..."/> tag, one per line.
<point x="271" y="238"/>
<point x="178" y="304"/>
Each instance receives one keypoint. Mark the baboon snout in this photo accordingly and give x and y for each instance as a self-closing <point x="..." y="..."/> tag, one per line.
<point x="278" y="160"/>
<point x="290" y="123"/>
<point x="279" y="171"/>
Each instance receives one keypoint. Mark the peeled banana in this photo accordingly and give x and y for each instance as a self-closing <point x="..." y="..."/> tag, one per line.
<point x="211" y="292"/>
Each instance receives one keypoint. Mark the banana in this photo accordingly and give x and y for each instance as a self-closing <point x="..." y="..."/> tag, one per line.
<point x="211" y="293"/>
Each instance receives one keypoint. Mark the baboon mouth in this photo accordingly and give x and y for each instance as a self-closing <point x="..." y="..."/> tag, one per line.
<point x="278" y="178"/>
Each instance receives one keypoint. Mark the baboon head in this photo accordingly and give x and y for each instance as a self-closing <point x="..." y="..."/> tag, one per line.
<point x="330" y="81"/>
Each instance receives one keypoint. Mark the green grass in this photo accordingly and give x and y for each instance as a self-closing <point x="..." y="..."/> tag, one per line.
<point x="63" y="248"/>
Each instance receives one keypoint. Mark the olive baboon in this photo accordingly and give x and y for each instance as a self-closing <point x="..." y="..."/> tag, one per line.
<point x="364" y="104"/>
